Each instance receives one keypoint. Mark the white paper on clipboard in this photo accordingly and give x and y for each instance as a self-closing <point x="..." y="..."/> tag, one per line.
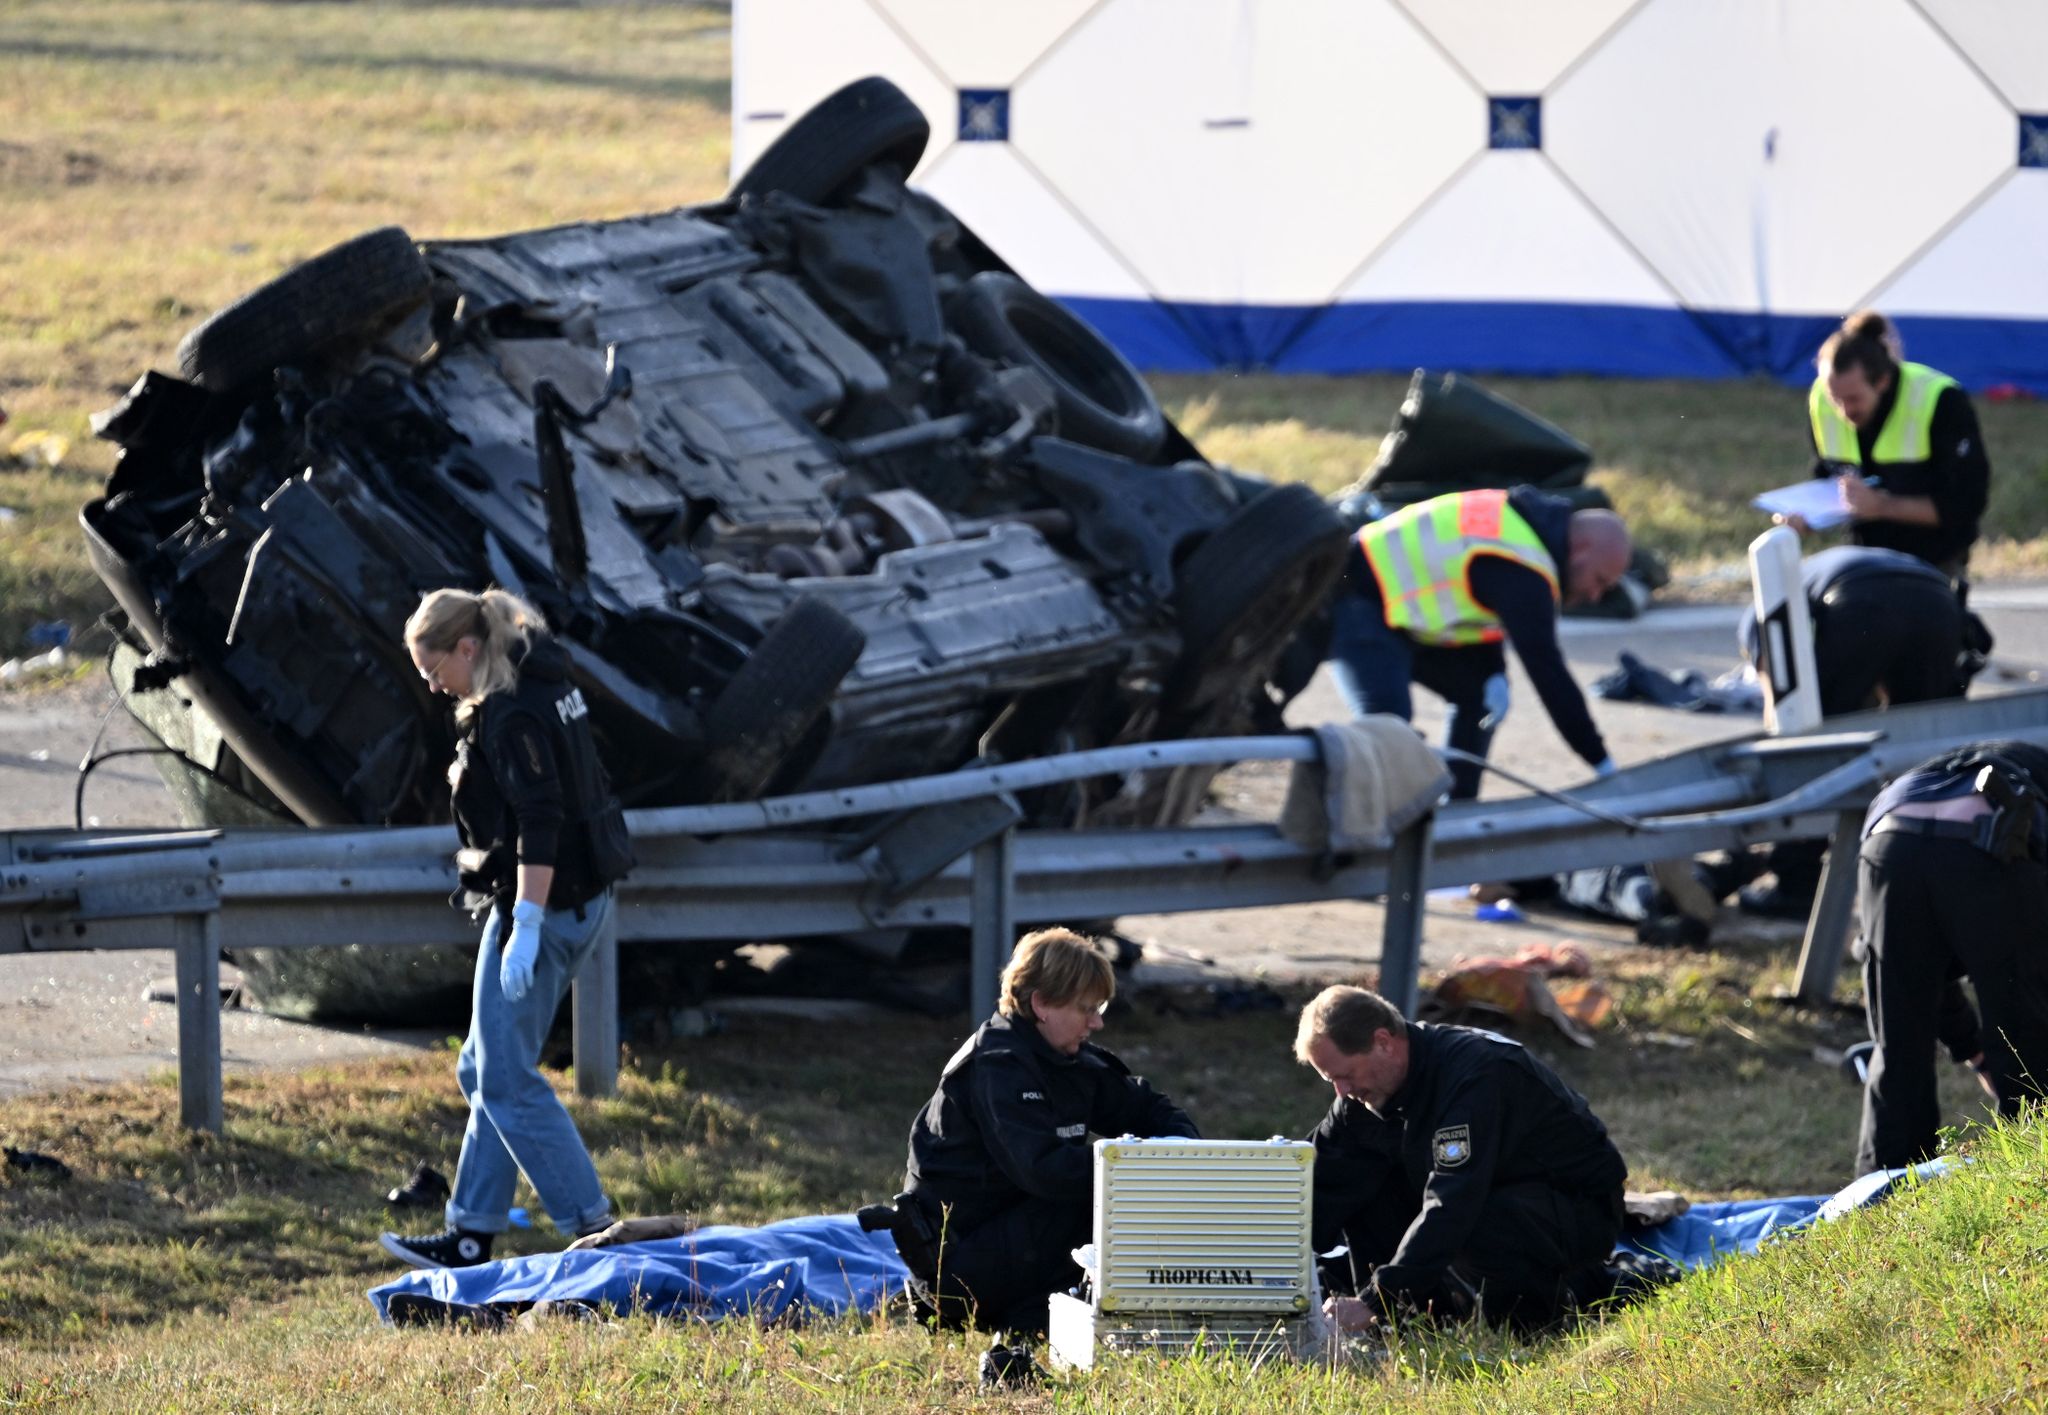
<point x="1818" y="502"/>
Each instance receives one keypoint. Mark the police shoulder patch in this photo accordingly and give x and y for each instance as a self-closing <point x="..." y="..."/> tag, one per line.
<point x="1451" y="1146"/>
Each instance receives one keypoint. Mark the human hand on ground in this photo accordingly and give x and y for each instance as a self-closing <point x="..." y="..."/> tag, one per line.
<point x="637" y="1230"/>
<point x="1350" y="1313"/>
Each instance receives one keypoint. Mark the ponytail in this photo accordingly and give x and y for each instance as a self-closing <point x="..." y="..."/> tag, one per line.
<point x="1866" y="341"/>
<point x="502" y="623"/>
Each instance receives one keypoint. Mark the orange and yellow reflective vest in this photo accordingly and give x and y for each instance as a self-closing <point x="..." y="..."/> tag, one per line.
<point x="1422" y="557"/>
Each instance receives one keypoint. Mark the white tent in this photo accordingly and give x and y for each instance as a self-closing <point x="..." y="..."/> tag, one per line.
<point x="1687" y="188"/>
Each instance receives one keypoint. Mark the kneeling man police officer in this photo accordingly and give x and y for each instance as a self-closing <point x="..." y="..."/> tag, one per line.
<point x="1457" y="1168"/>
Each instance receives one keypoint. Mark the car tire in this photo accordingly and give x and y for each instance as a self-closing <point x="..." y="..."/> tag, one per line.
<point x="1102" y="400"/>
<point x="771" y="705"/>
<point x="354" y="289"/>
<point x="822" y="153"/>
<point x="1244" y="589"/>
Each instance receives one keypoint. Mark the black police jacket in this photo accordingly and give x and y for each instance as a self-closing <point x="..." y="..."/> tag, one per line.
<point x="529" y="788"/>
<point x="1477" y="1112"/>
<point x="1011" y="1119"/>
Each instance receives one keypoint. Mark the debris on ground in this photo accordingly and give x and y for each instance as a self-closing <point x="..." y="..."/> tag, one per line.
<point x="47" y="1168"/>
<point x="1515" y="988"/>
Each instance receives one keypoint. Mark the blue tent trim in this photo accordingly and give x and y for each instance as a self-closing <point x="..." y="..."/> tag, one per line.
<point x="1540" y="340"/>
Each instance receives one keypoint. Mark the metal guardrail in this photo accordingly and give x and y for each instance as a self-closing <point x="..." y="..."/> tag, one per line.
<point x="949" y="850"/>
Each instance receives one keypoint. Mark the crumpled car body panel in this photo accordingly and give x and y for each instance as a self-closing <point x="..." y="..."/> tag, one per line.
<point x="805" y="422"/>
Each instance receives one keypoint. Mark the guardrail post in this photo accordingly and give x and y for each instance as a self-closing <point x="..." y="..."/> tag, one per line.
<point x="994" y="913"/>
<point x="199" y="1087"/>
<point x="1827" y="927"/>
<point x="594" y="1015"/>
<point x="1401" y="936"/>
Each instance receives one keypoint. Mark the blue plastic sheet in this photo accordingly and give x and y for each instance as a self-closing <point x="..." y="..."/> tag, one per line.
<point x="824" y="1266"/>
<point x="1707" y="1233"/>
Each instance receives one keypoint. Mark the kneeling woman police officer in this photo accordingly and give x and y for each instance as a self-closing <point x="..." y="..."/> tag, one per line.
<point x="543" y="840"/>
<point x="1000" y="1184"/>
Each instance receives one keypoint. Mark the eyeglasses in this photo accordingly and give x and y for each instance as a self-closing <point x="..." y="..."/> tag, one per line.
<point x="433" y="674"/>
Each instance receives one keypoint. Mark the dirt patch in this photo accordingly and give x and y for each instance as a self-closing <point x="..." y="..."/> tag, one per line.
<point x="48" y="165"/>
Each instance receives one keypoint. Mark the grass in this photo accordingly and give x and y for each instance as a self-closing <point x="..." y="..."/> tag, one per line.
<point x="160" y="157"/>
<point x="190" y="1272"/>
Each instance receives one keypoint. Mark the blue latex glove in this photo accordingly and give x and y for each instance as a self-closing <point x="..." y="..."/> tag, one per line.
<point x="522" y="947"/>
<point x="1604" y="767"/>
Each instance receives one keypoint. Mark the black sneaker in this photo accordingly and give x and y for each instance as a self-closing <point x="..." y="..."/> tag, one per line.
<point x="452" y="1249"/>
<point x="1008" y="1365"/>
<point x="426" y="1188"/>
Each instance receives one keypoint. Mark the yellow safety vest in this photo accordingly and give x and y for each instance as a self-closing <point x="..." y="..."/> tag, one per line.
<point x="1906" y="434"/>
<point x="1422" y="557"/>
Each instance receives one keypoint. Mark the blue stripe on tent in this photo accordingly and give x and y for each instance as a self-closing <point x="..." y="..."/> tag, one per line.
<point x="1630" y="341"/>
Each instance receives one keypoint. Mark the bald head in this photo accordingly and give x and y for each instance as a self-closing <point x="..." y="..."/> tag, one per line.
<point x="1599" y="553"/>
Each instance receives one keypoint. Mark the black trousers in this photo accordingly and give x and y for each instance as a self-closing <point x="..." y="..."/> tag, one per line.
<point x="998" y="1274"/>
<point x="1537" y="1252"/>
<point x="1895" y="635"/>
<point x="1933" y="908"/>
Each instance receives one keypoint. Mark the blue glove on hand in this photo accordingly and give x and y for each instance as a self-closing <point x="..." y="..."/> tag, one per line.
<point x="1604" y="767"/>
<point x="522" y="947"/>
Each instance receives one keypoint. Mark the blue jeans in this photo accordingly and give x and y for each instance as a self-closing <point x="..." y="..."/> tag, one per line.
<point x="516" y="1125"/>
<point x="1375" y="667"/>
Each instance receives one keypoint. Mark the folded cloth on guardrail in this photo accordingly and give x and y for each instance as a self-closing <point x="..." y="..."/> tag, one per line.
<point x="821" y="1265"/>
<point x="1375" y="778"/>
<point x="1706" y="1233"/>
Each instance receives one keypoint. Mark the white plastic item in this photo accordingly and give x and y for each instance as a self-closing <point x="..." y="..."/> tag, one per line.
<point x="1784" y="634"/>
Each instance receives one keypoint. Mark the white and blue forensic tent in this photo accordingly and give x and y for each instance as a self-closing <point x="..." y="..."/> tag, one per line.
<point x="1689" y="188"/>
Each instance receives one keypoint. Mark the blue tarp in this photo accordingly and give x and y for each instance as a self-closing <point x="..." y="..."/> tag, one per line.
<point x="1707" y="1233"/>
<point x="827" y="1265"/>
<point x="822" y="1265"/>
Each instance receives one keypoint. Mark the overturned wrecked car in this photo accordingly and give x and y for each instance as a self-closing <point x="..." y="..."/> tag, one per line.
<point x="813" y="488"/>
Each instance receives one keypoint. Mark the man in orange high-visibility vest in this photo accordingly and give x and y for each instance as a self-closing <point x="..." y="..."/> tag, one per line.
<point x="1433" y="592"/>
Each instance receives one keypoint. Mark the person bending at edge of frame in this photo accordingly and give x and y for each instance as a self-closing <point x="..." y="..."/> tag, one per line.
<point x="999" y="1188"/>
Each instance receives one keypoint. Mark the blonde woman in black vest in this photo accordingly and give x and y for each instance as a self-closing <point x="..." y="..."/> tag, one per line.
<point x="543" y="840"/>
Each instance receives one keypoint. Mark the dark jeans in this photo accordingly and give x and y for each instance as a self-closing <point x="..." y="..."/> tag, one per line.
<point x="1536" y="1253"/>
<point x="1933" y="908"/>
<point x="999" y="1273"/>
<point x="1375" y="667"/>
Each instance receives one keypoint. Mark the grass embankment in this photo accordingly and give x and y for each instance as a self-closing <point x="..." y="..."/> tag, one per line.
<point x="180" y="1272"/>
<point x="157" y="159"/>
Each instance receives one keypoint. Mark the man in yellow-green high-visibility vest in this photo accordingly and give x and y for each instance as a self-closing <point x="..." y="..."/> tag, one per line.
<point x="1433" y="592"/>
<point x="1902" y="442"/>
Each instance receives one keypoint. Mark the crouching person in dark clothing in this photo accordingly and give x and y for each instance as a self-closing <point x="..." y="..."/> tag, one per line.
<point x="1953" y="881"/>
<point x="1458" y="1169"/>
<point x="1001" y="1170"/>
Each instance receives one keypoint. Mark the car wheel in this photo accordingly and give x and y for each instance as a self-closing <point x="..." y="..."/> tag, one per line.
<point x="353" y="289"/>
<point x="1102" y="400"/>
<point x="819" y="156"/>
<point x="777" y="697"/>
<point x="1243" y="591"/>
